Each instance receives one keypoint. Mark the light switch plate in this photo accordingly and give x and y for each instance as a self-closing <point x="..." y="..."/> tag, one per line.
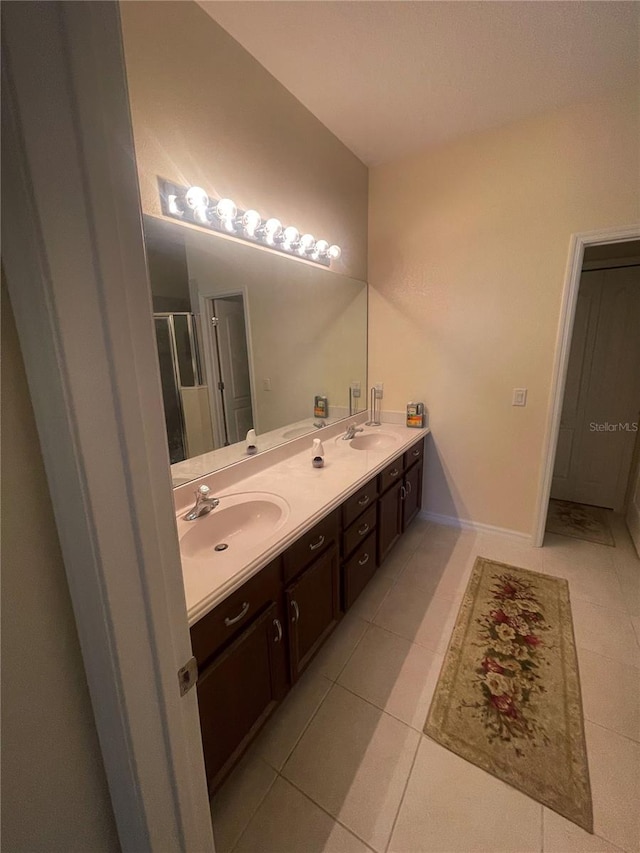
<point x="519" y="397"/>
<point x="266" y="384"/>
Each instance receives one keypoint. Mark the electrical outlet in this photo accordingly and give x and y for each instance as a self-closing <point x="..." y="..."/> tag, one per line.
<point x="519" y="397"/>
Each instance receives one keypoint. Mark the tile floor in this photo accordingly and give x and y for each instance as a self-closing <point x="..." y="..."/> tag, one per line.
<point x="343" y="766"/>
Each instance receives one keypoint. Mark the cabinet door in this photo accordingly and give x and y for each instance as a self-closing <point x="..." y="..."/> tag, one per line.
<point x="389" y="520"/>
<point x="412" y="494"/>
<point x="312" y="605"/>
<point x="239" y="690"/>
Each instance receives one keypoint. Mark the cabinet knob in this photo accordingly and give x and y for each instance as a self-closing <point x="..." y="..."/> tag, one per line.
<point x="243" y="612"/>
<point x="278" y="627"/>
<point x="364" y="529"/>
<point x="364" y="500"/>
<point x="403" y="493"/>
<point x="364" y="560"/>
<point x="394" y="473"/>
<point x="316" y="545"/>
<point x="408" y="486"/>
<point x="416" y="453"/>
<point x="296" y="611"/>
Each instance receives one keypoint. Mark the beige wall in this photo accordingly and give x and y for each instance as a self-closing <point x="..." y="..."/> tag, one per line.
<point x="54" y="791"/>
<point x="205" y="112"/>
<point x="468" y="251"/>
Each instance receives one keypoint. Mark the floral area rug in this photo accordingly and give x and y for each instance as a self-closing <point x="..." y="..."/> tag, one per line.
<point x="508" y="697"/>
<point x="592" y="523"/>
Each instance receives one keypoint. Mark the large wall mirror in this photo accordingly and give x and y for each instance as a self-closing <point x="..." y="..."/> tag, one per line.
<point x="247" y="339"/>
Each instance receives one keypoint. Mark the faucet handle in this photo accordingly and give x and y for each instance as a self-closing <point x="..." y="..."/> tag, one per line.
<point x="203" y="492"/>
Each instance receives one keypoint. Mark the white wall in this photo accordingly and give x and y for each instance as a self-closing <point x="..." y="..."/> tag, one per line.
<point x="54" y="790"/>
<point x="468" y="249"/>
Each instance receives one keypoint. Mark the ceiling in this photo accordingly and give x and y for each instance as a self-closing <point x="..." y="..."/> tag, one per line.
<point x="390" y="77"/>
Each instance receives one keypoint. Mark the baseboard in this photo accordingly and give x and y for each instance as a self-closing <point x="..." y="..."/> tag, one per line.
<point x="467" y="524"/>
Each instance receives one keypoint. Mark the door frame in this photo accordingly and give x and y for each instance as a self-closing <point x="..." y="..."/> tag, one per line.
<point x="204" y="306"/>
<point x="74" y="261"/>
<point x="577" y="245"/>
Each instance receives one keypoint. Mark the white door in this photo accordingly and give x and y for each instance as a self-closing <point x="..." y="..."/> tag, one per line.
<point x="602" y="395"/>
<point x="233" y="362"/>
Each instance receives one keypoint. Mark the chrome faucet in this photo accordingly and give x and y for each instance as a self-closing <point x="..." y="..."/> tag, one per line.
<point x="352" y="429"/>
<point x="203" y="504"/>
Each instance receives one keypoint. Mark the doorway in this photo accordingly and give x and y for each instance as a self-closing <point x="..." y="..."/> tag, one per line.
<point x="229" y="354"/>
<point x="597" y="440"/>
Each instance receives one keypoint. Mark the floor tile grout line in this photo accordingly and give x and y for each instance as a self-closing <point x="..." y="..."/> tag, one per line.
<point x="607" y="657"/>
<point x="404" y="791"/>
<point x="305" y="727"/>
<point x="323" y="809"/>
<point x="541" y="828"/>
<point x="254" y="812"/>
<point x="630" y="740"/>
<point x="378" y="708"/>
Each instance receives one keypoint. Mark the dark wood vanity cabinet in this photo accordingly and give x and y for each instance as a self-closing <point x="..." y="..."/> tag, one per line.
<point x="359" y="554"/>
<point x="400" y="486"/>
<point x="313" y="609"/>
<point x="311" y="594"/>
<point x="389" y="519"/>
<point x="255" y="644"/>
<point x="238" y="691"/>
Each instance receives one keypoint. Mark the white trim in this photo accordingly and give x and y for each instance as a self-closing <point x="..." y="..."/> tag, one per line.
<point x="467" y="524"/>
<point x="75" y="269"/>
<point x="610" y="263"/>
<point x="577" y="246"/>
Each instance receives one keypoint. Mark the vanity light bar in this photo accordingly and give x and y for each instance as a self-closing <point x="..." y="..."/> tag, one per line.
<point x="192" y="204"/>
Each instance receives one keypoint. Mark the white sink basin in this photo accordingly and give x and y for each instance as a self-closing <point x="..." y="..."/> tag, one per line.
<point x="370" y="441"/>
<point x="239" y="522"/>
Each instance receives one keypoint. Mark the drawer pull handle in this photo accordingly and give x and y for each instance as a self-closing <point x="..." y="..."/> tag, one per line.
<point x="317" y="544"/>
<point x="278" y="627"/>
<point x="364" y="560"/>
<point x="296" y="616"/>
<point x="403" y="493"/>
<point x="408" y="486"/>
<point x="394" y="473"/>
<point x="364" y="529"/>
<point x="243" y="612"/>
<point x="416" y="453"/>
<point x="364" y="500"/>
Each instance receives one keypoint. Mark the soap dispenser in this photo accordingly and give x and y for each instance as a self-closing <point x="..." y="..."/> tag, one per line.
<point x="252" y="446"/>
<point x="317" y="453"/>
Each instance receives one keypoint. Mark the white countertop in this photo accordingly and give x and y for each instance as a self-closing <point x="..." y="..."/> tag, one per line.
<point x="310" y="493"/>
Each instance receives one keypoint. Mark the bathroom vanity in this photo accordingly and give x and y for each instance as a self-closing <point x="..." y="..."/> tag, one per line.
<point x="258" y="624"/>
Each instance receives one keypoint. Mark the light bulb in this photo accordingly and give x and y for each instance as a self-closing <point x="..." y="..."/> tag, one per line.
<point x="226" y="209"/>
<point x="200" y="214"/>
<point x="175" y="209"/>
<point x="272" y="228"/>
<point x="321" y="249"/>
<point x="196" y="197"/>
<point x="251" y="222"/>
<point x="334" y="252"/>
<point x="307" y="242"/>
<point x="290" y="236"/>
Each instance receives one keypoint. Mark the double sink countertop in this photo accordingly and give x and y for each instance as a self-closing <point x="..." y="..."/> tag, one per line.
<point x="288" y="496"/>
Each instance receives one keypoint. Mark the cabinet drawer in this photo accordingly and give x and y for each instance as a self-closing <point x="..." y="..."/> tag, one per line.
<point x="357" y="531"/>
<point x="224" y="622"/>
<point x="356" y="504"/>
<point x="413" y="454"/>
<point x="358" y="570"/>
<point x="390" y="474"/>
<point x="310" y="545"/>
